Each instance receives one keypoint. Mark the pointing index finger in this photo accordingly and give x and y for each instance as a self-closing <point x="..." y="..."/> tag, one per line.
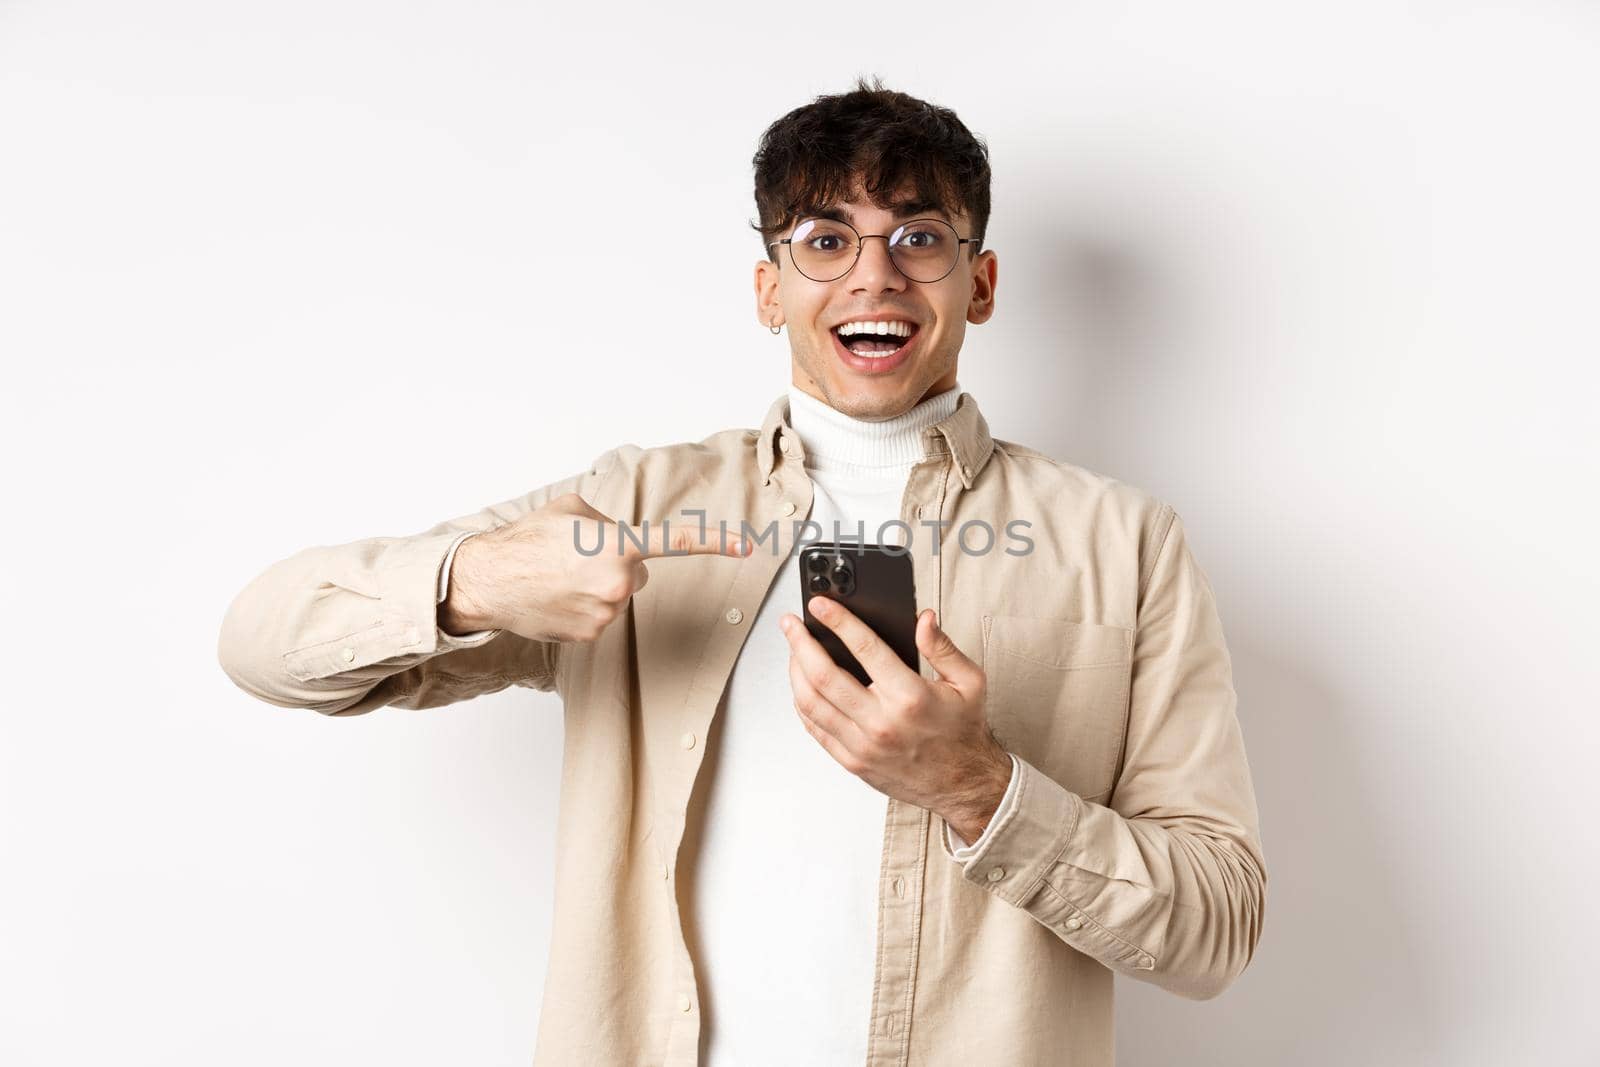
<point x="667" y="538"/>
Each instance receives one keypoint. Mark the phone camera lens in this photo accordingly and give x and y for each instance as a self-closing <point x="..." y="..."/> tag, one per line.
<point x="817" y="563"/>
<point x="819" y="583"/>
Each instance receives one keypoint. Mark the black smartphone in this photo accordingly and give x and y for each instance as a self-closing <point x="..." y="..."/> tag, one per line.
<point x="876" y="584"/>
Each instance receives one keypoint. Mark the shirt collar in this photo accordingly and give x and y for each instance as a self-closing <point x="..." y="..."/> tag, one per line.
<point x="962" y="435"/>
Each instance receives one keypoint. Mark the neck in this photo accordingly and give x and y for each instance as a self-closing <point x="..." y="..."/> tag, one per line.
<point x="834" y="440"/>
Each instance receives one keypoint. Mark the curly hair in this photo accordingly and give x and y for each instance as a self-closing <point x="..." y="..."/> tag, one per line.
<point x="817" y="154"/>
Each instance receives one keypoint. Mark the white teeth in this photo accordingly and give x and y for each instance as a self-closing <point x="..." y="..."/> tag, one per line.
<point x="898" y="329"/>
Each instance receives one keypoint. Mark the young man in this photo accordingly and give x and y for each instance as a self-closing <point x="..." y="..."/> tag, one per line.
<point x="759" y="858"/>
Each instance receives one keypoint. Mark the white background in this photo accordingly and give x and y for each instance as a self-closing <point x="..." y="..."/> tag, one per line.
<point x="273" y="275"/>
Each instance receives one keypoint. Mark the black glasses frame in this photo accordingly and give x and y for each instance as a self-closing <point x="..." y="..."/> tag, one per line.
<point x="860" y="244"/>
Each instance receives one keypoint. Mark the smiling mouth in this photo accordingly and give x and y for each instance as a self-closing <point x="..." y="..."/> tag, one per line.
<point x="875" y="345"/>
<point x="876" y="355"/>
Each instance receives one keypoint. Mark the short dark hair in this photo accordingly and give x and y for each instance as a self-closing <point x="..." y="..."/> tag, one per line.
<point x="811" y="158"/>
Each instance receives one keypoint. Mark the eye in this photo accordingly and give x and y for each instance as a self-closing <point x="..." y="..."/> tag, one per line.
<point x="838" y="242"/>
<point x="921" y="238"/>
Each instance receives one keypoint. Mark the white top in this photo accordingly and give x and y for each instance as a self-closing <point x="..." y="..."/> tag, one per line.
<point x="785" y="854"/>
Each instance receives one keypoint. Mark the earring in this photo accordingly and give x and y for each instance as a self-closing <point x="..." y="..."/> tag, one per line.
<point x="775" y="328"/>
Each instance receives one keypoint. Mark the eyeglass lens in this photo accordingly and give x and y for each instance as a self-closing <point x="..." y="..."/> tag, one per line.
<point x="924" y="250"/>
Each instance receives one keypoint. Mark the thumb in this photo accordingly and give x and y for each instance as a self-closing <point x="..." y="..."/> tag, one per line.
<point x="953" y="665"/>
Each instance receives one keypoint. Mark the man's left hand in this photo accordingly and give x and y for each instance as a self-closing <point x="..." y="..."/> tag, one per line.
<point x="922" y="741"/>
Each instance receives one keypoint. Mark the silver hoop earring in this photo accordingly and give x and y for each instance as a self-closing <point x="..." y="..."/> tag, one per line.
<point x="775" y="329"/>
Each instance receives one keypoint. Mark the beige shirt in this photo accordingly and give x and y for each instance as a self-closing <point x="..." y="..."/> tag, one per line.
<point x="1131" y="845"/>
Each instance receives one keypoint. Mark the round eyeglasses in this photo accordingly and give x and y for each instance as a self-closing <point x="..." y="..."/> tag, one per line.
<point x="924" y="250"/>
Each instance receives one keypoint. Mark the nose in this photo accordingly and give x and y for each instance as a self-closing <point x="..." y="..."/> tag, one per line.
<point x="874" y="271"/>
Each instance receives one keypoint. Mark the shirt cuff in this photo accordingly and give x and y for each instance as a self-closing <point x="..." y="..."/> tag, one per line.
<point x="449" y="557"/>
<point x="957" y="845"/>
<point x="1015" y="853"/>
<point x="444" y="581"/>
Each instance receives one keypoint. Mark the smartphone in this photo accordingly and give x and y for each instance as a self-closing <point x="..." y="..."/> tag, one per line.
<point x="876" y="584"/>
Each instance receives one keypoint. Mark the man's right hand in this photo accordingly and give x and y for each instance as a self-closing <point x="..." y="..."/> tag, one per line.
<point x="529" y="577"/>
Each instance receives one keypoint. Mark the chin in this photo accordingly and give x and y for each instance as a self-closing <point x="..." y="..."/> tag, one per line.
<point x="876" y="400"/>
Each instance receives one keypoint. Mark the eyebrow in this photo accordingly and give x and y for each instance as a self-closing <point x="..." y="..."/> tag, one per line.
<point x="902" y="209"/>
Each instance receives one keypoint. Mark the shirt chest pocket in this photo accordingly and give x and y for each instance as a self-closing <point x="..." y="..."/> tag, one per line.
<point x="1058" y="696"/>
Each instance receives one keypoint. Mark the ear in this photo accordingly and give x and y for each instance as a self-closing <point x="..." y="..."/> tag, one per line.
<point x="984" y="269"/>
<point x="769" y="312"/>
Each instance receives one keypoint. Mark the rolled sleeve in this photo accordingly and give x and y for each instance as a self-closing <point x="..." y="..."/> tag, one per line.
<point x="401" y="620"/>
<point x="1167" y="885"/>
<point x="346" y="629"/>
<point x="1020" y="845"/>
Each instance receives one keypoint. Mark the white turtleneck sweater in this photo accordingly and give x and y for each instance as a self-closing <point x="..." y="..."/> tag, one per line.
<point x="782" y="854"/>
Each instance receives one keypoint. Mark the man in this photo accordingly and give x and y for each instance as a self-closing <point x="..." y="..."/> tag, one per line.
<point x="761" y="860"/>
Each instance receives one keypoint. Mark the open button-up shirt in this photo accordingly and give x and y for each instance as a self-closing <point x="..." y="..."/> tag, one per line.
<point x="1131" y="843"/>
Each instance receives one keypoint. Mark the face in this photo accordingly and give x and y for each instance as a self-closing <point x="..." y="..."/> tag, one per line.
<point x="937" y="312"/>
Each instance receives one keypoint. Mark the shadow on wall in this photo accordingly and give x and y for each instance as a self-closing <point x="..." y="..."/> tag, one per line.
<point x="1336" y="978"/>
<point x="1101" y="374"/>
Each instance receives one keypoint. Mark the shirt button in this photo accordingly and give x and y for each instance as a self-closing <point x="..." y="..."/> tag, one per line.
<point x="687" y="740"/>
<point x="1145" y="963"/>
<point x="788" y="507"/>
<point x="666" y="872"/>
<point x="684" y="1003"/>
<point x="1072" y="923"/>
<point x="996" y="873"/>
<point x="734" y="615"/>
<point x="900" y="887"/>
<point x="349" y="655"/>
